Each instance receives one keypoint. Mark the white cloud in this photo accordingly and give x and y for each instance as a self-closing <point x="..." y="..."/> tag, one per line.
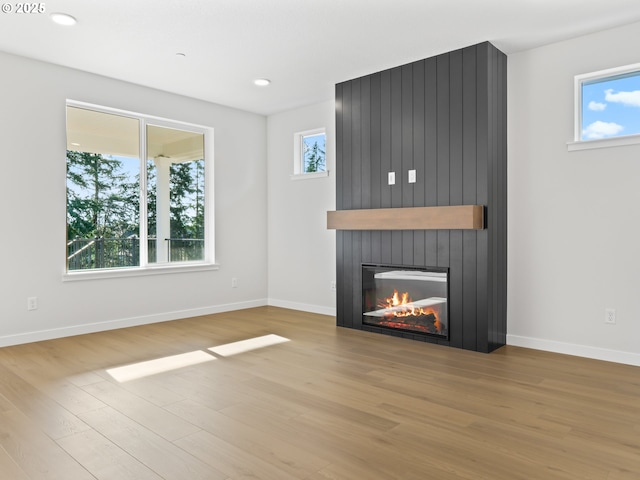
<point x="596" y="106"/>
<point x="631" y="99"/>
<point x="601" y="130"/>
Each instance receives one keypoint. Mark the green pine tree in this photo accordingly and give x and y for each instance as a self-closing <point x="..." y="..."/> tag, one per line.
<point x="314" y="158"/>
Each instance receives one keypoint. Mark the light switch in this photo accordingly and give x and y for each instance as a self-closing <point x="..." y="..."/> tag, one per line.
<point x="412" y="176"/>
<point x="392" y="178"/>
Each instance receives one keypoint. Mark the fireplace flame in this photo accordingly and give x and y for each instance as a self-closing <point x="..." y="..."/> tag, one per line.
<point x="408" y="309"/>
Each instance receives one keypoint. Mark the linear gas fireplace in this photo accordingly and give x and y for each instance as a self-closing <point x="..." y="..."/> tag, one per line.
<point x="411" y="299"/>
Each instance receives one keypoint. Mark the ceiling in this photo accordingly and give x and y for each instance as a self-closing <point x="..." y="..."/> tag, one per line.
<point x="107" y="133"/>
<point x="304" y="47"/>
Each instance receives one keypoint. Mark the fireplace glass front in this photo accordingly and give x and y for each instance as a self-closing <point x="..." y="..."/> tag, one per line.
<point x="411" y="299"/>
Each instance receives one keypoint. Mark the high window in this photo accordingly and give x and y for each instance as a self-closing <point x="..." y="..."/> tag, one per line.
<point x="137" y="191"/>
<point x="310" y="157"/>
<point x="608" y="105"/>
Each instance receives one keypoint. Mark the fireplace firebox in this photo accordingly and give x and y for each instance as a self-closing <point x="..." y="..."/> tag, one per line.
<point x="407" y="298"/>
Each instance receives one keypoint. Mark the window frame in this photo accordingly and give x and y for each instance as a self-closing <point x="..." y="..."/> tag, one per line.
<point x="146" y="268"/>
<point x="579" y="81"/>
<point x="298" y="155"/>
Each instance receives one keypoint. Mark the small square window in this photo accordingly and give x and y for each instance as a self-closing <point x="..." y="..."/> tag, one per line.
<point x="608" y="104"/>
<point x="310" y="154"/>
<point x="314" y="152"/>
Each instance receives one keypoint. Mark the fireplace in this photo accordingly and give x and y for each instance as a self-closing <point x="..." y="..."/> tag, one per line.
<point x="407" y="298"/>
<point x="445" y="117"/>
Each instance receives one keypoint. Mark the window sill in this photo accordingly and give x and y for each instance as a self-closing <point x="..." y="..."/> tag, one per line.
<point x="306" y="176"/>
<point x="137" y="272"/>
<point x="603" y="143"/>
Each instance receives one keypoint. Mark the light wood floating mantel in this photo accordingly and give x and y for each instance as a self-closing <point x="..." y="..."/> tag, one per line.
<point x="458" y="217"/>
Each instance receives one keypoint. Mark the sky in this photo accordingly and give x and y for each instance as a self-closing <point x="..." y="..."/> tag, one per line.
<point x="611" y="108"/>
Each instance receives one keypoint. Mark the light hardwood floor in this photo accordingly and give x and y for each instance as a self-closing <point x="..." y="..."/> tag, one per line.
<point x="330" y="403"/>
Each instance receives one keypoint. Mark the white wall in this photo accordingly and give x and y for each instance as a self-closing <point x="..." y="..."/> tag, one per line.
<point x="32" y="209"/>
<point x="574" y="226"/>
<point x="302" y="252"/>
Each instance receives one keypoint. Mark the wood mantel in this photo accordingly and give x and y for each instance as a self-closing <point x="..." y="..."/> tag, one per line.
<point x="458" y="217"/>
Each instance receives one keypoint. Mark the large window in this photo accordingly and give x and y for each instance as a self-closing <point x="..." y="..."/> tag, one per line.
<point x="136" y="191"/>
<point x="608" y="105"/>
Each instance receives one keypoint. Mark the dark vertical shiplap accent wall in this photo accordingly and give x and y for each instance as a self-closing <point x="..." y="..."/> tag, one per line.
<point x="444" y="116"/>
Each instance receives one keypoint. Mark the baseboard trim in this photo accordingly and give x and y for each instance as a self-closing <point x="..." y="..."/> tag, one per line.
<point x="305" y="307"/>
<point x="37" y="336"/>
<point x="597" y="353"/>
<point x="586" y="351"/>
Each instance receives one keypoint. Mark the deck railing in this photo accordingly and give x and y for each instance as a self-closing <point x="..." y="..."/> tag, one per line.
<point x="101" y="252"/>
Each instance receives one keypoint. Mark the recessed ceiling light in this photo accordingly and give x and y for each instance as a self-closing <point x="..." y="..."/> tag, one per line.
<point x="63" y="19"/>
<point x="262" y="82"/>
<point x="180" y="54"/>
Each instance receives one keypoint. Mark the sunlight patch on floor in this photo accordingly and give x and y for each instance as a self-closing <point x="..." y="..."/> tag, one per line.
<point x="159" y="365"/>
<point x="174" y="362"/>
<point x="243" y="346"/>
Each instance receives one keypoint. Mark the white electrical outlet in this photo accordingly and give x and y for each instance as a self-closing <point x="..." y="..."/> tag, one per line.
<point x="392" y="178"/>
<point x="412" y="176"/>
<point x="610" y="316"/>
<point x="234" y="282"/>
<point x="32" y="303"/>
<point x="333" y="287"/>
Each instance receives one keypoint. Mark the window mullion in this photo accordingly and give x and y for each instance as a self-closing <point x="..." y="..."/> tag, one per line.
<point x="143" y="234"/>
